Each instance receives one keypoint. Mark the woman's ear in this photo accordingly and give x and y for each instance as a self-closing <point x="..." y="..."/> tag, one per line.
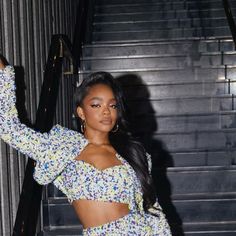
<point x="80" y="112"/>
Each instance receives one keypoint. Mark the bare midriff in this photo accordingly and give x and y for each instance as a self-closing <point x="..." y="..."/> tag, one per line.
<point x="94" y="213"/>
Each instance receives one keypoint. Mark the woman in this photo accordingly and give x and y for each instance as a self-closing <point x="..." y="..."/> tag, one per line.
<point x="105" y="174"/>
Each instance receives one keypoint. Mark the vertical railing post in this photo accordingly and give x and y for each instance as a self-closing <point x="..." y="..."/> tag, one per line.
<point x="230" y="20"/>
<point x="30" y="199"/>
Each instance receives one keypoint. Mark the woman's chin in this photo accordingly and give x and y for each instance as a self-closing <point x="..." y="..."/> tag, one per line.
<point x="104" y="129"/>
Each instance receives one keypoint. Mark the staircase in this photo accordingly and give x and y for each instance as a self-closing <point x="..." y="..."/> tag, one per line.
<point x="177" y="63"/>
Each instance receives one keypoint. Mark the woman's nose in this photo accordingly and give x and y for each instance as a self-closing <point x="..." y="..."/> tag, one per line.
<point x="106" y="110"/>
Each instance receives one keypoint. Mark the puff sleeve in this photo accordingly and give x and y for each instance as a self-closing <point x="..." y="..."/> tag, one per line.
<point x="51" y="151"/>
<point x="14" y="133"/>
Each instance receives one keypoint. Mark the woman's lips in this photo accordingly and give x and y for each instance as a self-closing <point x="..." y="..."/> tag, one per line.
<point x="106" y="121"/>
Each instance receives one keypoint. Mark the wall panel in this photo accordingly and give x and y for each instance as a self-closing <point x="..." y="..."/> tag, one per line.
<point x="26" y="27"/>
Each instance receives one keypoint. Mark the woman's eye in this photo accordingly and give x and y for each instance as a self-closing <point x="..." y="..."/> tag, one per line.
<point x="95" y="105"/>
<point x="114" y="106"/>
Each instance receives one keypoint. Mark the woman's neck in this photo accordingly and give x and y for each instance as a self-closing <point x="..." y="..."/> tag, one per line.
<point x="97" y="138"/>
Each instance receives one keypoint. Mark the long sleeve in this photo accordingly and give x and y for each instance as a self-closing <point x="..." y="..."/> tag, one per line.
<point x="52" y="151"/>
<point x="16" y="134"/>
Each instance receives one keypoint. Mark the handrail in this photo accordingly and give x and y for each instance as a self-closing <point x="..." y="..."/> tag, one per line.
<point x="30" y="199"/>
<point x="60" y="48"/>
<point x="230" y="20"/>
<point x="29" y="205"/>
<point x="83" y="28"/>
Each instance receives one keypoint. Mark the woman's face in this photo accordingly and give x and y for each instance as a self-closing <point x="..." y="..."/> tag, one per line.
<point x="99" y="109"/>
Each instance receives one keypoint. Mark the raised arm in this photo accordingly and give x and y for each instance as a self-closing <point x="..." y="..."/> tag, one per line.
<point x="16" y="134"/>
<point x="52" y="151"/>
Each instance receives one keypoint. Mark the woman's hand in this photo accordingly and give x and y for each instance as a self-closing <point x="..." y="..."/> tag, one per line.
<point x="2" y="65"/>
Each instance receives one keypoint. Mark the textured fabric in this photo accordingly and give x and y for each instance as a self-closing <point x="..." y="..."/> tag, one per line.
<point x="55" y="154"/>
<point x="52" y="151"/>
<point x="111" y="184"/>
<point x="133" y="224"/>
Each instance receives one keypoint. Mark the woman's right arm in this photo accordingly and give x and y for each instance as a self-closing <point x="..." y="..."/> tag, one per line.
<point x="16" y="134"/>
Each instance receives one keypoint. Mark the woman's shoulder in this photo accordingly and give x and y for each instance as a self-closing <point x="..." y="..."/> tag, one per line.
<point x="65" y="134"/>
<point x="64" y="146"/>
<point x="67" y="139"/>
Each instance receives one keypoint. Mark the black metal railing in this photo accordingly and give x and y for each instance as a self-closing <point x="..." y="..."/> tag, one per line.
<point x="30" y="199"/>
<point x="230" y="20"/>
<point x="28" y="209"/>
<point x="83" y="24"/>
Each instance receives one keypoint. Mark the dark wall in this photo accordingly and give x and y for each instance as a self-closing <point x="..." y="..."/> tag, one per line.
<point x="26" y="27"/>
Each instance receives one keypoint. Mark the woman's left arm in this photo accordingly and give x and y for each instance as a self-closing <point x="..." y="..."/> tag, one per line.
<point x="52" y="151"/>
<point x="12" y="131"/>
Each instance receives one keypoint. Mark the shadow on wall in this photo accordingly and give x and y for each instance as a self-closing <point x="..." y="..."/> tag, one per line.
<point x="143" y="124"/>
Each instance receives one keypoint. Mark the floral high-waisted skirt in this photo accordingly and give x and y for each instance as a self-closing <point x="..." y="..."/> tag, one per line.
<point x="133" y="224"/>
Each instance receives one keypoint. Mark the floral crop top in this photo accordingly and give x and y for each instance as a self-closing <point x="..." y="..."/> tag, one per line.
<point x="55" y="154"/>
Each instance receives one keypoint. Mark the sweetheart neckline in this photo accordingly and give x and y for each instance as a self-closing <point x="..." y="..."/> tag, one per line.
<point x="105" y="169"/>
<point x="102" y="170"/>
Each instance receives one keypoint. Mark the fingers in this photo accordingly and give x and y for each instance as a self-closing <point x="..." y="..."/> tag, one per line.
<point x="2" y="65"/>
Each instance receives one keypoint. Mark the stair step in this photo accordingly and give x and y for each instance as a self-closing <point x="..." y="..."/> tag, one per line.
<point x="219" y="228"/>
<point x="214" y="46"/>
<point x="200" y="183"/>
<point x="199" y="139"/>
<point x="196" y="105"/>
<point x="149" y="24"/>
<point x="202" y="158"/>
<point x="162" y="90"/>
<point x="135" y="7"/>
<point x="188" y="47"/>
<point x="62" y="231"/>
<point x="54" y="214"/>
<point x="159" y="61"/>
<point x="142" y="7"/>
<point x="137" y="36"/>
<point x="162" y="15"/>
<point x="107" y="2"/>
<point x="187" y="123"/>
<point x="206" y="210"/>
<point x="172" y="75"/>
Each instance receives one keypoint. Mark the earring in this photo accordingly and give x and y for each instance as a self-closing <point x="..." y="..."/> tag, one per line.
<point x="116" y="129"/>
<point x="82" y="126"/>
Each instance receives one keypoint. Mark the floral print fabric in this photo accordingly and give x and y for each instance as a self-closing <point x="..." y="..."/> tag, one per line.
<point x="55" y="154"/>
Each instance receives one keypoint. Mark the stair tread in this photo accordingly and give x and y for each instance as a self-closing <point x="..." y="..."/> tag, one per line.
<point x="161" y="42"/>
<point x="125" y="41"/>
<point x="176" y="11"/>
<point x="160" y="20"/>
<point x="135" y="3"/>
<point x="143" y="56"/>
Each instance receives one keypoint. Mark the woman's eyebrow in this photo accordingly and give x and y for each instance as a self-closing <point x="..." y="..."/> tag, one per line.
<point x="100" y="99"/>
<point x="113" y="99"/>
<point x="95" y="98"/>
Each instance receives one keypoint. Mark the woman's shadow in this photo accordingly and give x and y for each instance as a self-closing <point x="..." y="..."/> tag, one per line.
<point x="143" y="124"/>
